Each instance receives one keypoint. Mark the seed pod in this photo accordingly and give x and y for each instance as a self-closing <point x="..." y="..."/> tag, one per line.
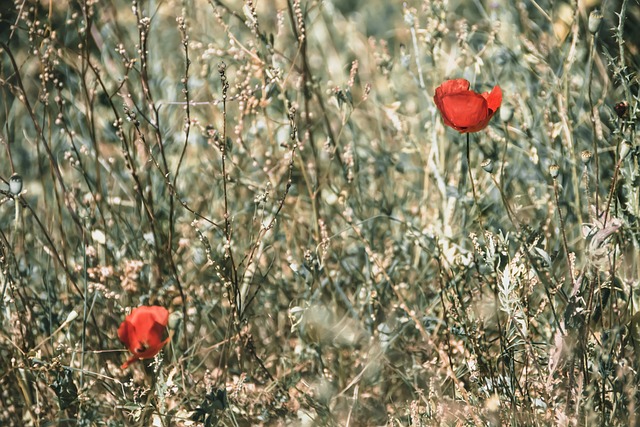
<point x="554" y="170"/>
<point x="625" y="149"/>
<point x="595" y="20"/>
<point x="621" y="109"/>
<point x="15" y="184"/>
<point x="487" y="165"/>
<point x="585" y="156"/>
<point x="175" y="319"/>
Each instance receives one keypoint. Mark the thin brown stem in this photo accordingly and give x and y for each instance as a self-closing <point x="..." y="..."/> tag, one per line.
<point x="562" y="230"/>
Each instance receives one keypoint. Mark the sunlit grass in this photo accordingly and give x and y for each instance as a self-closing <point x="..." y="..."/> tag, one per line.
<point x="278" y="175"/>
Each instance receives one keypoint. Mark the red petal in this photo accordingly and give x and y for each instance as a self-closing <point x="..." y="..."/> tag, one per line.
<point x="156" y="336"/>
<point x="123" y="332"/>
<point x="126" y="364"/>
<point x="479" y="126"/>
<point x="451" y="87"/>
<point x="144" y="317"/>
<point x="494" y="99"/>
<point x="144" y="332"/>
<point x="161" y="315"/>
<point x="129" y="335"/>
<point x="464" y="111"/>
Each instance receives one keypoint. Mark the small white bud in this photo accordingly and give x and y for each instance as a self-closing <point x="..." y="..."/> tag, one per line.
<point x="506" y="113"/>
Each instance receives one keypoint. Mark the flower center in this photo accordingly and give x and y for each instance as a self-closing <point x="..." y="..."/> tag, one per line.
<point x="143" y="347"/>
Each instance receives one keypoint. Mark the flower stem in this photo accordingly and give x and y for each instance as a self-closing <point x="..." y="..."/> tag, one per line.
<point x="564" y="236"/>
<point x="473" y="186"/>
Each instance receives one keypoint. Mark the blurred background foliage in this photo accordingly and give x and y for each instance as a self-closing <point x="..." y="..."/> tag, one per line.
<point x="276" y="173"/>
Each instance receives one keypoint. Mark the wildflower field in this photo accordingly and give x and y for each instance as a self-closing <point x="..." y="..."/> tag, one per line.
<point x="305" y="212"/>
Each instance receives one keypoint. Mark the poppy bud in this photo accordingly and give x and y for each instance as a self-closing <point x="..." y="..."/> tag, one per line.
<point x="625" y="149"/>
<point x="73" y="315"/>
<point x="487" y="165"/>
<point x="554" y="170"/>
<point x="585" y="156"/>
<point x="506" y="113"/>
<point x="595" y="19"/>
<point x="175" y="319"/>
<point x="621" y="109"/>
<point x="15" y="184"/>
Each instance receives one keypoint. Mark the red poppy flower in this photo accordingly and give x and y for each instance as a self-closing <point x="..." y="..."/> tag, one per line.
<point x="144" y="332"/>
<point x="463" y="109"/>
